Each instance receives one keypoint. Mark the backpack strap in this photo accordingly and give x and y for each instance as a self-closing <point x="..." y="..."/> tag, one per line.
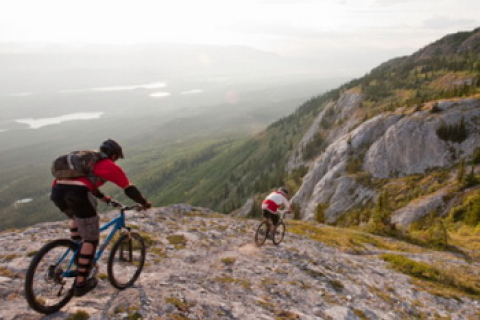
<point x="95" y="179"/>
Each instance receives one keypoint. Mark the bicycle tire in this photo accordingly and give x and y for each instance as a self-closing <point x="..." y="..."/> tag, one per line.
<point x="124" y="270"/>
<point x="279" y="233"/>
<point x="45" y="276"/>
<point x="261" y="233"/>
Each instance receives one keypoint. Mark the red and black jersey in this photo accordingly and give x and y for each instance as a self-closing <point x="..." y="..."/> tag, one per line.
<point x="106" y="170"/>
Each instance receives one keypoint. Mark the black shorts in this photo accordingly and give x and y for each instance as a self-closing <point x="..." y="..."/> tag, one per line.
<point x="78" y="203"/>
<point x="74" y="201"/>
<point x="272" y="216"/>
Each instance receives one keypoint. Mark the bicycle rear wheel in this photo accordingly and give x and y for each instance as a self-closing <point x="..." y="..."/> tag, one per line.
<point x="49" y="280"/>
<point x="279" y="233"/>
<point x="126" y="260"/>
<point x="262" y="233"/>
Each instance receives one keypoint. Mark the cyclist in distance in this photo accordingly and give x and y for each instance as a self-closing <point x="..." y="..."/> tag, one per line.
<point x="74" y="197"/>
<point x="272" y="203"/>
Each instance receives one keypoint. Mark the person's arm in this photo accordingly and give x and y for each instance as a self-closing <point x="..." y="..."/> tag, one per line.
<point x="99" y="195"/>
<point x="133" y="193"/>
<point x="110" y="171"/>
<point x="287" y="205"/>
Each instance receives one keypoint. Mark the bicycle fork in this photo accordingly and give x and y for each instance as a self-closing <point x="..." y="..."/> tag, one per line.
<point x="126" y="248"/>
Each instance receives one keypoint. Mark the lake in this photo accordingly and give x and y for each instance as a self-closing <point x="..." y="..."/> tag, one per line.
<point x="42" y="122"/>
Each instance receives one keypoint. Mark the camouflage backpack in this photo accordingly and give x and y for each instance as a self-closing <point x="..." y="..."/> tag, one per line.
<point x="76" y="164"/>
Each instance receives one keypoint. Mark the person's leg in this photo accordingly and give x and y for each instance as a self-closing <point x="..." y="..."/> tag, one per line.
<point x="268" y="217"/>
<point x="89" y="231"/>
<point x="88" y="224"/>
<point x="275" y="220"/>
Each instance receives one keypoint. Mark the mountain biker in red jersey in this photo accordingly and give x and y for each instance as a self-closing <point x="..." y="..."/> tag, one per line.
<point x="272" y="203"/>
<point x="75" y="198"/>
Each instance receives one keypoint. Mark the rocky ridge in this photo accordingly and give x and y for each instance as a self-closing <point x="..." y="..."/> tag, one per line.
<point x="217" y="272"/>
<point x="387" y="146"/>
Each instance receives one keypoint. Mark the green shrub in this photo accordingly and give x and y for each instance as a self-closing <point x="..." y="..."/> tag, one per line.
<point x="476" y="156"/>
<point x="435" y="109"/>
<point x="471" y="179"/>
<point x="455" y="133"/>
<point x="320" y="212"/>
<point x="380" y="219"/>
<point x="468" y="211"/>
<point x="472" y="215"/>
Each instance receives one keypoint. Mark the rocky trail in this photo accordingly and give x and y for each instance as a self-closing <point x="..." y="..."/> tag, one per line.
<point x="202" y="265"/>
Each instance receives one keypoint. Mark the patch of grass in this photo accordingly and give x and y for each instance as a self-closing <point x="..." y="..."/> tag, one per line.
<point x="360" y="314"/>
<point x="442" y="277"/>
<point x="32" y="253"/>
<point x="177" y="240"/>
<point x="345" y="238"/>
<point x="103" y="276"/>
<point x="266" y="305"/>
<point x="231" y="280"/>
<point x="6" y="273"/>
<point x="467" y="238"/>
<point x="8" y="256"/>
<point x="286" y="315"/>
<point x="337" y="285"/>
<point x="387" y="297"/>
<point x="135" y="316"/>
<point x="180" y="304"/>
<point x="229" y="261"/>
<point x="79" y="315"/>
<point x="159" y="252"/>
<point x="177" y="317"/>
<point x="148" y="239"/>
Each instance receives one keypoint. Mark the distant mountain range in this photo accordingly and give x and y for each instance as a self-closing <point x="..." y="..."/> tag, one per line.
<point x="406" y="133"/>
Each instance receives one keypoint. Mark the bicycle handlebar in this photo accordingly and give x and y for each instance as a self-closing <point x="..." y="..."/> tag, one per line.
<point x="116" y="204"/>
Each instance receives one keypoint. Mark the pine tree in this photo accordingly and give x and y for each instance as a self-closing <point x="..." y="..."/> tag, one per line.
<point x="471" y="179"/>
<point x="461" y="172"/>
<point x="380" y="222"/>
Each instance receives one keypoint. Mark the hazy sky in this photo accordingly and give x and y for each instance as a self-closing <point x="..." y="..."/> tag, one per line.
<point x="366" y="32"/>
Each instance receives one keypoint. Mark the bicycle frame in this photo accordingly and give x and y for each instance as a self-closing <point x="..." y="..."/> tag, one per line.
<point x="117" y="224"/>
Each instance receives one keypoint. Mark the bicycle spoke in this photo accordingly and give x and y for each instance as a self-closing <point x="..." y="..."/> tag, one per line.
<point x="261" y="233"/>
<point x="48" y="283"/>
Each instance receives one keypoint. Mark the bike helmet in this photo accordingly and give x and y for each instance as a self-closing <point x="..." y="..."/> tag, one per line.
<point x="283" y="190"/>
<point x="111" y="147"/>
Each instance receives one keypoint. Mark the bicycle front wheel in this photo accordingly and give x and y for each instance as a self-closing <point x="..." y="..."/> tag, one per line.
<point x="49" y="280"/>
<point x="279" y="233"/>
<point x="262" y="233"/>
<point x="126" y="260"/>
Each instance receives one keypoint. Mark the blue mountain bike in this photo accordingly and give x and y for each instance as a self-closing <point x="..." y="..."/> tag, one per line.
<point x="51" y="275"/>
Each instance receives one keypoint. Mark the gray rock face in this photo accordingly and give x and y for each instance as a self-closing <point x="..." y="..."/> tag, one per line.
<point x="344" y="107"/>
<point x="390" y="145"/>
<point x="220" y="274"/>
<point x="329" y="170"/>
<point x="412" y="145"/>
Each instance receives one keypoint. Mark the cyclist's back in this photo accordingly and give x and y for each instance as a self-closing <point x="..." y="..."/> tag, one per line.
<point x="272" y="203"/>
